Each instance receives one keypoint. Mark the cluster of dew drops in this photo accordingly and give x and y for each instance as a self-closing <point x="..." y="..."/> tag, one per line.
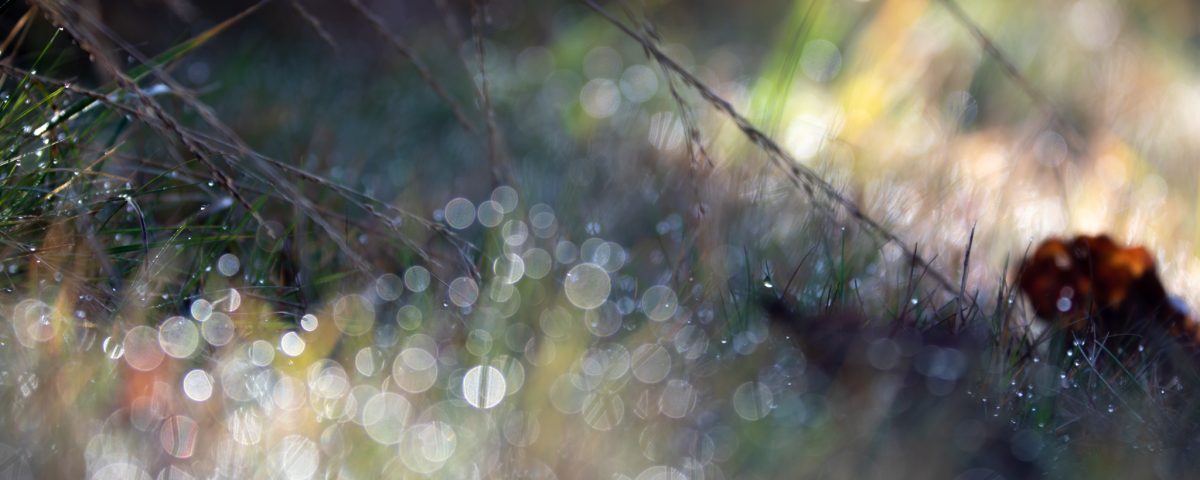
<point x="410" y="383"/>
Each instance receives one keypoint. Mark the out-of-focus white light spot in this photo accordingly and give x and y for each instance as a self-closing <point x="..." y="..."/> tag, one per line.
<point x="177" y="435"/>
<point x="808" y="134"/>
<point x="120" y="471"/>
<point x="388" y="287"/>
<point x="566" y="395"/>
<point x="427" y="446"/>
<point x="883" y="353"/>
<point x="295" y="458"/>
<point x="603" y="321"/>
<point x="509" y="268"/>
<point x="614" y="257"/>
<point x="175" y="472"/>
<point x="291" y="344"/>
<point x="677" y="399"/>
<point x="821" y="60"/>
<point x="233" y="301"/>
<point x="353" y="314"/>
<point x="490" y="213"/>
<point x="659" y="303"/>
<point x="1063" y="304"/>
<point x="513" y="371"/>
<point x="600" y="98"/>
<point x="228" y="264"/>
<point x="1039" y="218"/>
<point x="603" y="410"/>
<point x="364" y="362"/>
<point x="691" y="342"/>
<point x="514" y="232"/>
<point x="262" y="353"/>
<point x="666" y="131"/>
<point x="201" y="309"/>
<point x="595" y="250"/>
<point x="327" y="379"/>
<point x="483" y="387"/>
<point x="460" y="213"/>
<point x="507" y="197"/>
<point x="288" y="393"/>
<point x="416" y="278"/>
<point x="218" y="330"/>
<point x="537" y="263"/>
<point x="33" y="322"/>
<point x="463" y="291"/>
<point x="479" y="342"/>
<point x="651" y="363"/>
<point x="555" y="322"/>
<point x="142" y="351"/>
<point x="409" y="317"/>
<point x="661" y="472"/>
<point x="308" y="322"/>
<point x="752" y="400"/>
<point x="244" y="426"/>
<point x="587" y="286"/>
<point x="198" y="385"/>
<point x="415" y="370"/>
<point x="541" y="218"/>
<point x="384" y="417"/>
<point x="521" y="429"/>
<point x="565" y="252"/>
<point x="178" y="337"/>
<point x="639" y="83"/>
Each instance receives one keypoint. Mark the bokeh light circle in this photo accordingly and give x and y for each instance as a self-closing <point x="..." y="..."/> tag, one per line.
<point x="483" y="386"/>
<point x="587" y="286"/>
<point x="178" y="337"/>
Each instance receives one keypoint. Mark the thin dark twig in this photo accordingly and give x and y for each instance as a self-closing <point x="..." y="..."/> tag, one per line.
<point x="912" y="290"/>
<point x="501" y="170"/>
<point x="150" y="112"/>
<point x="153" y="114"/>
<point x="1010" y="69"/>
<point x="962" y="287"/>
<point x="452" y="26"/>
<point x="315" y="23"/>
<point x="409" y="53"/>
<point x="362" y="200"/>
<point x="800" y="175"/>
<point x="232" y="147"/>
<point x="788" y="286"/>
<point x="17" y="30"/>
<point x="686" y="116"/>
